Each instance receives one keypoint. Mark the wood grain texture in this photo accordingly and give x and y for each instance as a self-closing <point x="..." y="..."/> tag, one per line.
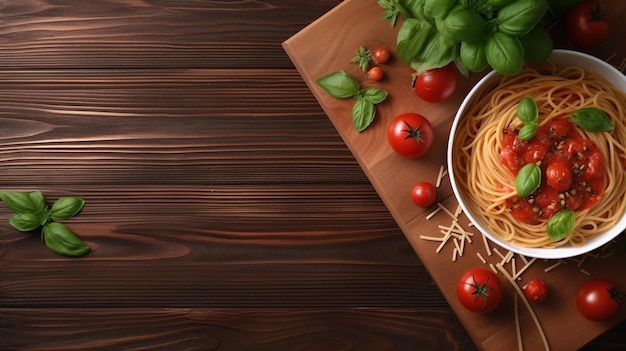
<point x="223" y="208"/>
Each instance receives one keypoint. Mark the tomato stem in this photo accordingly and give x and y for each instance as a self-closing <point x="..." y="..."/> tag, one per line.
<point x="414" y="133"/>
<point x="597" y="14"/>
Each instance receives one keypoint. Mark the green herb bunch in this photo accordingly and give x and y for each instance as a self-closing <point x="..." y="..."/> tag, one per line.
<point x="475" y="34"/>
<point x="32" y="212"/>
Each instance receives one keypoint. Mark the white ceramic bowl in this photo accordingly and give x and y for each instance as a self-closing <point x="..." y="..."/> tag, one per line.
<point x="560" y="58"/>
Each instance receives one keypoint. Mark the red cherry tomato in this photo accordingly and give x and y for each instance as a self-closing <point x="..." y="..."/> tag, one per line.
<point x="438" y="84"/>
<point x="587" y="24"/>
<point x="411" y="135"/>
<point x="375" y="73"/>
<point x="381" y="55"/>
<point x="424" y="194"/>
<point x="536" y="290"/>
<point x="559" y="176"/>
<point x="598" y="300"/>
<point x="479" y="290"/>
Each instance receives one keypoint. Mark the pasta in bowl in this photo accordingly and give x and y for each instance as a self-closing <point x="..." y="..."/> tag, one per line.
<point x="537" y="161"/>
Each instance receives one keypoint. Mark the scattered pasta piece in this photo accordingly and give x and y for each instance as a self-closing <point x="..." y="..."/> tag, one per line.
<point x="548" y="269"/>
<point x="525" y="267"/>
<point x="518" y="329"/>
<point x="487" y="248"/>
<point x="481" y="257"/>
<point x="434" y="212"/>
<point x="528" y="306"/>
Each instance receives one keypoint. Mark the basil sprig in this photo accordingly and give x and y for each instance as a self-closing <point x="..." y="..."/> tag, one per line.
<point x="341" y="85"/>
<point x="561" y="224"/>
<point x="528" y="179"/>
<point x="528" y="113"/>
<point x="32" y="211"/>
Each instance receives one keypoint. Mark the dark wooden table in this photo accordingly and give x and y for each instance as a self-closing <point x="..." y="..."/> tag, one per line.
<point x="223" y="209"/>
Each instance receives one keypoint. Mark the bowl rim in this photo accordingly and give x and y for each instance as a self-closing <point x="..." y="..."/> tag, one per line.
<point x="561" y="57"/>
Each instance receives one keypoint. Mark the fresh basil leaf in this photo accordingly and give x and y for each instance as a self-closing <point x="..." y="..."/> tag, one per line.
<point x="561" y="224"/>
<point x="439" y="52"/>
<point x="527" y="132"/>
<point x="24" y="202"/>
<point x="462" y="24"/>
<point x="373" y="95"/>
<point x="25" y="222"/>
<point x="363" y="113"/>
<point x="66" y="207"/>
<point x="473" y="56"/>
<point x="438" y="8"/>
<point x="527" y="110"/>
<point x="412" y="38"/>
<point x="593" y="120"/>
<point x="519" y="17"/>
<point x="339" y="85"/>
<point x="60" y="239"/>
<point x="528" y="179"/>
<point x="504" y="53"/>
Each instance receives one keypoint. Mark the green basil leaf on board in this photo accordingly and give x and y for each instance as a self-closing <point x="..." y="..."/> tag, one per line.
<point x="527" y="110"/>
<point x="593" y="120"/>
<point x="504" y="53"/>
<point x="24" y="202"/>
<point x="339" y="85"/>
<point x="66" y="207"/>
<point x="528" y="179"/>
<point x="520" y="16"/>
<point x="373" y="95"/>
<point x="32" y="212"/>
<point x="527" y="132"/>
<point x="462" y="23"/>
<point x="25" y="222"/>
<point x="60" y="239"/>
<point x="561" y="224"/>
<point x="363" y="113"/>
<point x="473" y="55"/>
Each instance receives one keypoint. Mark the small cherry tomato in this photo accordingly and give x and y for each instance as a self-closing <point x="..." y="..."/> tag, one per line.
<point x="559" y="176"/>
<point x="381" y="55"/>
<point x="598" y="300"/>
<point x="375" y="73"/>
<point x="424" y="194"/>
<point x="587" y="24"/>
<point x="438" y="84"/>
<point x="411" y="135"/>
<point x="479" y="290"/>
<point x="536" y="290"/>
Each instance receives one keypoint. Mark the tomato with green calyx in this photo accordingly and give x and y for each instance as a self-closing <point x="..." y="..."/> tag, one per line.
<point x="598" y="300"/>
<point x="587" y="24"/>
<point x="479" y="290"/>
<point x="424" y="194"/>
<point x="411" y="135"/>
<point x="437" y="85"/>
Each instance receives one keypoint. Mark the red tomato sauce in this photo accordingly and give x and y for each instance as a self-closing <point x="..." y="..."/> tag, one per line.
<point x="572" y="170"/>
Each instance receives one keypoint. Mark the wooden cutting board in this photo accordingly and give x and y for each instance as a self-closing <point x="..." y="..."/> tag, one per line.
<point x="327" y="45"/>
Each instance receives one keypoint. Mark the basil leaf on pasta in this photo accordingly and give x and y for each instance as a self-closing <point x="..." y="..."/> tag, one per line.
<point x="528" y="179"/>
<point x="527" y="132"/>
<point x="527" y="110"/>
<point x="561" y="224"/>
<point x="592" y="119"/>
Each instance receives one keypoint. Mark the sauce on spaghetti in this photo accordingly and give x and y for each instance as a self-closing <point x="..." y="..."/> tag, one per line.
<point x="572" y="170"/>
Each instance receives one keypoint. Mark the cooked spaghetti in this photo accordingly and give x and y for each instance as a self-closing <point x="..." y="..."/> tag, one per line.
<point x="489" y="185"/>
